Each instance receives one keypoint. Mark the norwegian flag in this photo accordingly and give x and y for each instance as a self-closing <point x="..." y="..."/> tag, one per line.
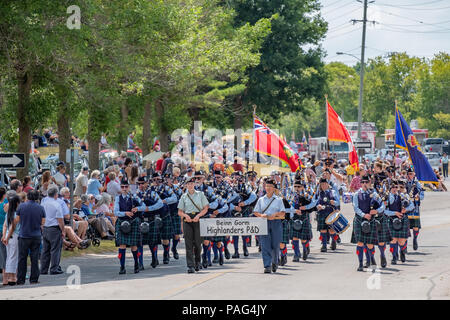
<point x="269" y="143"/>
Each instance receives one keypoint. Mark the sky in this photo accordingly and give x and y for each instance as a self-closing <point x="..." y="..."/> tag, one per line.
<point x="418" y="27"/>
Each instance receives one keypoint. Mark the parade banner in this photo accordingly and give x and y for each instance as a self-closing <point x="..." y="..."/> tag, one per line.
<point x="233" y="227"/>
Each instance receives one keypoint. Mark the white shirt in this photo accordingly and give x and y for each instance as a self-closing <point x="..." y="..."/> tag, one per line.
<point x="113" y="188"/>
<point x="60" y="179"/>
<point x="52" y="211"/>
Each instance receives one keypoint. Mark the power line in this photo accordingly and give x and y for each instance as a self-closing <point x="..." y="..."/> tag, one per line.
<point x="407" y="8"/>
<point x="344" y="5"/>
<point x="411" y="19"/>
<point x="416" y="4"/>
<point x="342" y="34"/>
<point x="332" y="4"/>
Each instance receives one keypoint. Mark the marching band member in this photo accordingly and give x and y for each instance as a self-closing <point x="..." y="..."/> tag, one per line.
<point x="414" y="188"/>
<point x="271" y="208"/>
<point x="221" y="211"/>
<point x="176" y="220"/>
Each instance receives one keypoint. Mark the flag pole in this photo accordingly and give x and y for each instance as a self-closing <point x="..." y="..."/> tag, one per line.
<point x="395" y="147"/>
<point x="326" y="109"/>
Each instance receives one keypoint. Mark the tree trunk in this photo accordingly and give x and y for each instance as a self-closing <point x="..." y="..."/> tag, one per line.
<point x="93" y="142"/>
<point x="194" y="115"/>
<point x="63" y="131"/>
<point x="24" y="81"/>
<point x="146" y="129"/>
<point x="123" y="135"/>
<point x="163" y="133"/>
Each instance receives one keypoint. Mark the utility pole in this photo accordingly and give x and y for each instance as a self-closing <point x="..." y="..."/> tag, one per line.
<point x="361" y="76"/>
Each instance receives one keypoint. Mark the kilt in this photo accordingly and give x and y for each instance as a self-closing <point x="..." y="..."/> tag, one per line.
<point x="153" y="237"/>
<point x="366" y="238"/>
<point x="176" y="219"/>
<point x="286" y="226"/>
<point x="133" y="238"/>
<point x="384" y="235"/>
<point x="321" y="217"/>
<point x="403" y="232"/>
<point x="166" y="229"/>
<point x="414" y="223"/>
<point x="305" y="233"/>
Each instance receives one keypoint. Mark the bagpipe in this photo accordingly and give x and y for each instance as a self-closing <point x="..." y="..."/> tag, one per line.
<point x="374" y="205"/>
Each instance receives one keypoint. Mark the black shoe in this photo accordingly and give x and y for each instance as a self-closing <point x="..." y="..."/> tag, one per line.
<point x="209" y="264"/>
<point x="191" y="270"/>
<point x="259" y="248"/>
<point x="323" y="249"/>
<point x="122" y="270"/>
<point x="221" y="260"/>
<point x="141" y="267"/>
<point x="197" y="268"/>
<point x="274" y="267"/>
<point x="308" y="249"/>
<point x="166" y="258"/>
<point x="245" y="252"/>
<point x="339" y="239"/>
<point x="394" y="261"/>
<point x="360" y="268"/>
<point x="305" y="255"/>
<point x="227" y="254"/>
<point x="402" y="256"/>
<point x="235" y="255"/>
<point x="20" y="283"/>
<point x="215" y="260"/>
<point x="372" y="261"/>
<point x="283" y="260"/>
<point x="367" y="265"/>
<point x="415" y="244"/>
<point x="383" y="262"/>
<point x="333" y="245"/>
<point x="154" y="263"/>
<point x="57" y="272"/>
<point x="175" y="254"/>
<point x="296" y="259"/>
<point x="267" y="270"/>
<point x="204" y="263"/>
<point x="136" y="268"/>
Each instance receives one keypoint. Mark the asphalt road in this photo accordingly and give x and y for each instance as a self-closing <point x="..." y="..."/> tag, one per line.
<point x="331" y="275"/>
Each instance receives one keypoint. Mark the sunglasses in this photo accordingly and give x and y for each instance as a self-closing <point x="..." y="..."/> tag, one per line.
<point x="124" y="187"/>
<point x="362" y="182"/>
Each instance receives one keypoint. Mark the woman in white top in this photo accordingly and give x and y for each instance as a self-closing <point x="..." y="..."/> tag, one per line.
<point x="11" y="240"/>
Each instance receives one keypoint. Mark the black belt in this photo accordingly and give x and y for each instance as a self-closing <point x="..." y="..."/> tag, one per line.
<point x="52" y="227"/>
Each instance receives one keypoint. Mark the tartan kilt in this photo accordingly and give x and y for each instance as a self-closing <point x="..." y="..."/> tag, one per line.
<point x="321" y="217"/>
<point x="153" y="237"/>
<point x="414" y="223"/>
<point x="176" y="219"/>
<point x="133" y="238"/>
<point x="166" y="229"/>
<point x="384" y="235"/>
<point x="285" y="236"/>
<point x="366" y="238"/>
<point x="305" y="233"/>
<point x="403" y="233"/>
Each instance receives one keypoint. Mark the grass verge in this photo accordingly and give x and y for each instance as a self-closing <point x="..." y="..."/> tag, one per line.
<point x="105" y="246"/>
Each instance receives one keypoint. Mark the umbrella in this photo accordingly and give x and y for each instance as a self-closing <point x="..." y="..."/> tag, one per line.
<point x="153" y="156"/>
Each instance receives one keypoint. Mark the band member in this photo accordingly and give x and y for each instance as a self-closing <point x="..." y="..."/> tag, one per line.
<point x="304" y="233"/>
<point x="126" y="208"/>
<point x="326" y="202"/>
<point x="415" y="190"/>
<point x="213" y="204"/>
<point x="192" y="206"/>
<point x="396" y="209"/>
<point x="176" y="220"/>
<point x="366" y="203"/>
<point x="221" y="211"/>
<point x="271" y="208"/>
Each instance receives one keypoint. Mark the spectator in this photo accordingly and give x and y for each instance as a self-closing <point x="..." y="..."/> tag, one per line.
<point x="168" y="160"/>
<point x="130" y="142"/>
<point x="103" y="143"/>
<point x="60" y="177"/>
<point x="133" y="178"/>
<point x="31" y="217"/>
<point x="237" y="166"/>
<point x="127" y="167"/>
<point x="27" y="184"/>
<point x="81" y="182"/>
<point x="113" y="187"/>
<point x="355" y="185"/>
<point x="441" y="186"/>
<point x="10" y="240"/>
<point x="106" y="173"/>
<point x="94" y="185"/>
<point x="79" y="225"/>
<point x="53" y="233"/>
<point x="102" y="204"/>
<point x="97" y="222"/>
<point x="83" y="145"/>
<point x="3" y="203"/>
<point x="159" y="162"/>
<point x="16" y="186"/>
<point x="46" y="182"/>
<point x="444" y="161"/>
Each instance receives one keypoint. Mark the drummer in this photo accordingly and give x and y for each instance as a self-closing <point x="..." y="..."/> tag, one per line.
<point x="326" y="201"/>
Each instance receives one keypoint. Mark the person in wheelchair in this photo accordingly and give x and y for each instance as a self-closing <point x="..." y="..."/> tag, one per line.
<point x="98" y="221"/>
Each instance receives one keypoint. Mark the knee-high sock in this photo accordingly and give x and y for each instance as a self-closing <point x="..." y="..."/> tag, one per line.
<point x="360" y="253"/>
<point x="141" y="254"/>
<point x="236" y="243"/>
<point x="121" y="257"/>
<point x="245" y="240"/>
<point x="403" y="247"/>
<point x="382" y="248"/>
<point x="393" y="249"/>
<point x="205" y="250"/>
<point x="174" y="244"/>
<point x="135" y="256"/>
<point x="415" y="234"/>
<point x="154" y="250"/>
<point x="296" y="248"/>
<point x="323" y="238"/>
<point x="216" y="251"/>
<point x="334" y="236"/>
<point x="283" y="251"/>
<point x="305" y="246"/>
<point x="366" y="251"/>
<point x="372" y="252"/>
<point x="166" y="248"/>
<point x="208" y="253"/>
<point x="221" y="250"/>
<point x="226" y="242"/>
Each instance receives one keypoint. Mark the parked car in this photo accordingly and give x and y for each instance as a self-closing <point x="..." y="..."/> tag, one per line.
<point x="434" y="145"/>
<point x="434" y="159"/>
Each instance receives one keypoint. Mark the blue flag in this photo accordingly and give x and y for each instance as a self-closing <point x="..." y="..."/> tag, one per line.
<point x="404" y="139"/>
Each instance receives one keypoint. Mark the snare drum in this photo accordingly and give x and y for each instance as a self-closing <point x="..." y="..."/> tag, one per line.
<point x="347" y="197"/>
<point x="337" y="221"/>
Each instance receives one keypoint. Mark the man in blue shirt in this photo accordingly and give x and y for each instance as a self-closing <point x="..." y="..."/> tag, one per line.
<point x="31" y="217"/>
<point x="270" y="207"/>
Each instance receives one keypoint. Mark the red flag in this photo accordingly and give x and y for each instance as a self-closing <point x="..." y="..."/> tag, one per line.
<point x="338" y="132"/>
<point x="269" y="143"/>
